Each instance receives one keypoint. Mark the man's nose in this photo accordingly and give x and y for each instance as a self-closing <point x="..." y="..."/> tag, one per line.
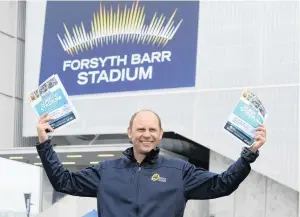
<point x="146" y="134"/>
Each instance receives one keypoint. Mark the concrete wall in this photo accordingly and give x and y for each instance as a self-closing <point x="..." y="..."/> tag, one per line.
<point x="257" y="196"/>
<point x="12" y="43"/>
<point x="47" y="189"/>
<point x="70" y="206"/>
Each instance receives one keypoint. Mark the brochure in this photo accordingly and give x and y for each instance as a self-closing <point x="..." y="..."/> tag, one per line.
<point x="92" y="213"/>
<point x="51" y="97"/>
<point x="247" y="115"/>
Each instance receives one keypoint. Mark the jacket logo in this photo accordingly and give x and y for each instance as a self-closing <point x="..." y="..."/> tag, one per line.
<point x="156" y="177"/>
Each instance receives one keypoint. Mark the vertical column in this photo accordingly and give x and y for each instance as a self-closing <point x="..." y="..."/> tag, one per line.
<point x="19" y="141"/>
<point x="8" y="11"/>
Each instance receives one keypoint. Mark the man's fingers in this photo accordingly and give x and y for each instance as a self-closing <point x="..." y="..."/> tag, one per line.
<point x="260" y="133"/>
<point x="46" y="120"/>
<point x="258" y="137"/>
<point x="48" y="127"/>
<point x="45" y="126"/>
<point x="261" y="128"/>
<point x="43" y="116"/>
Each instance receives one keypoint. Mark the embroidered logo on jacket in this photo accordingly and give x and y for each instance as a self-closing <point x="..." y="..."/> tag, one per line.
<point x="156" y="177"/>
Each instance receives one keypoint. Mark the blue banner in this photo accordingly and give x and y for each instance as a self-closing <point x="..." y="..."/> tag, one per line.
<point x="115" y="46"/>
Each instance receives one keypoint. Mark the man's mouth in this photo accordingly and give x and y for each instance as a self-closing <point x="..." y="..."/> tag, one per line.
<point x="146" y="142"/>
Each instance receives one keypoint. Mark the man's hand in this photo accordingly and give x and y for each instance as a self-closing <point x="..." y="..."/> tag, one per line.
<point x="260" y="138"/>
<point x="42" y="126"/>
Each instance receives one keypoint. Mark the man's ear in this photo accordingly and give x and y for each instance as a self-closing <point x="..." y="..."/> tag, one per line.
<point x="161" y="133"/>
<point x="129" y="133"/>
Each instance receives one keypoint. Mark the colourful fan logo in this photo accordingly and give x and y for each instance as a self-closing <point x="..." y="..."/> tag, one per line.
<point x="114" y="25"/>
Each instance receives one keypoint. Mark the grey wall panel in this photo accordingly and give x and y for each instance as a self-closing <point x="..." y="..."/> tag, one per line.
<point x="19" y="140"/>
<point x="21" y="20"/>
<point x="12" y="14"/>
<point x="19" y="79"/>
<point x="250" y="196"/>
<point x="281" y="201"/>
<point x="248" y="44"/>
<point x="197" y="208"/>
<point x="221" y="207"/>
<point x="7" y="57"/>
<point x="257" y="196"/>
<point x="8" y="11"/>
<point x="20" y="43"/>
<point x="279" y="42"/>
<point x="7" y="126"/>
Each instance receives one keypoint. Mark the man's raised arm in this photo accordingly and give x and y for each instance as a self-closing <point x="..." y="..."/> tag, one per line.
<point x="81" y="183"/>
<point x="201" y="184"/>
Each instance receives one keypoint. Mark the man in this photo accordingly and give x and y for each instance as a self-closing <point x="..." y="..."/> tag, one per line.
<point x="143" y="183"/>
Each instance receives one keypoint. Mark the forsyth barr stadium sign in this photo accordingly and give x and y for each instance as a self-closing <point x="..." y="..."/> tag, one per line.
<point x="115" y="46"/>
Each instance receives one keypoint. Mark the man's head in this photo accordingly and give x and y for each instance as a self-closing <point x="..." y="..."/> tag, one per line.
<point x="145" y="131"/>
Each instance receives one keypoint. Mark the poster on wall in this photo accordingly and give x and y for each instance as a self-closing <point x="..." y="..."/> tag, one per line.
<point x="100" y="47"/>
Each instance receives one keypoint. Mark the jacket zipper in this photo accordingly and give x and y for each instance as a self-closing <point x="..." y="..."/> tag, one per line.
<point x="138" y="189"/>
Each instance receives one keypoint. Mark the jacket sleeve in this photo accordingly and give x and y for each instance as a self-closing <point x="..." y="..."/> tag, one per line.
<point x="82" y="183"/>
<point x="201" y="184"/>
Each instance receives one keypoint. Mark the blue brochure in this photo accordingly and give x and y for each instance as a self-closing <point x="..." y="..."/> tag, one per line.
<point x="51" y="97"/>
<point x="93" y="213"/>
<point x="247" y="115"/>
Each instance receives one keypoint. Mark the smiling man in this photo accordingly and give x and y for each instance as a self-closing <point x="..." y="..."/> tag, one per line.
<point x="145" y="137"/>
<point x="144" y="183"/>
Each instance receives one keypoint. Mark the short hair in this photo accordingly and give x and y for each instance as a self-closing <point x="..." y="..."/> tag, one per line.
<point x="135" y="114"/>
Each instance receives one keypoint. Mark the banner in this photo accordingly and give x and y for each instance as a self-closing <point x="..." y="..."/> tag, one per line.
<point x="115" y="46"/>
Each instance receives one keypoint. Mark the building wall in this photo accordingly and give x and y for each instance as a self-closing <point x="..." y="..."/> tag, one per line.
<point x="257" y="196"/>
<point x="240" y="44"/>
<point x="12" y="43"/>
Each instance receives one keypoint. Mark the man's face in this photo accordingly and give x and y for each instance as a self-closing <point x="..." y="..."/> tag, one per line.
<point x="145" y="132"/>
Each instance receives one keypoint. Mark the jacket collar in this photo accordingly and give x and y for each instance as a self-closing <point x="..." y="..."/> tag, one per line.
<point x="150" y="158"/>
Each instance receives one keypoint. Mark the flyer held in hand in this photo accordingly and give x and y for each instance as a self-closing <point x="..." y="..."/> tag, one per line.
<point x="51" y="97"/>
<point x="247" y="115"/>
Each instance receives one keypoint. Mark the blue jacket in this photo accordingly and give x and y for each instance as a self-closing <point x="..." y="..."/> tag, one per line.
<point x="159" y="187"/>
